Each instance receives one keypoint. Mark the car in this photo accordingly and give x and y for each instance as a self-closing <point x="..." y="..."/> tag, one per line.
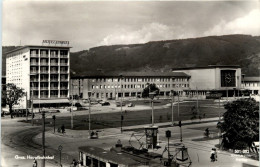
<point x="118" y="103"/>
<point x="130" y="105"/>
<point x="105" y="104"/>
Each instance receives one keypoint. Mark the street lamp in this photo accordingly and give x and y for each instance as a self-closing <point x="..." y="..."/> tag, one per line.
<point x="43" y="137"/>
<point x="89" y="95"/>
<point x="172" y="95"/>
<point x="151" y="95"/>
<point x="122" y="117"/>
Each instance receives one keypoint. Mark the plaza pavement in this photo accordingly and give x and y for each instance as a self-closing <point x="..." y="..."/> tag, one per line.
<point x="199" y="151"/>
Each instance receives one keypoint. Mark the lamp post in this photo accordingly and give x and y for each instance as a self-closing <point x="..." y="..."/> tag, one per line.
<point x="43" y="137"/>
<point x="89" y="112"/>
<point x="172" y="94"/>
<point x="122" y="117"/>
<point x="168" y="135"/>
<point x="26" y="106"/>
<point x="152" y="94"/>
<point x="71" y="109"/>
<point x="31" y="97"/>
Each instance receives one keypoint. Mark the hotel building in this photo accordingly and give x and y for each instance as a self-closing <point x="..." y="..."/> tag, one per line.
<point x="107" y="85"/>
<point x="42" y="71"/>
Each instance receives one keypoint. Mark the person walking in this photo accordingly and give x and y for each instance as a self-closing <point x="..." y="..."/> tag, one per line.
<point x="34" y="163"/>
<point x="207" y="132"/>
<point x="212" y="155"/>
<point x="215" y="153"/>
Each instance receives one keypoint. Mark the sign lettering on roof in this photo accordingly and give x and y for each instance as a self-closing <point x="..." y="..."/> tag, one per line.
<point x="55" y="42"/>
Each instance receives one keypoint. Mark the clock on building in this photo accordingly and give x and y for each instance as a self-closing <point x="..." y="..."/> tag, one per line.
<point x="228" y="78"/>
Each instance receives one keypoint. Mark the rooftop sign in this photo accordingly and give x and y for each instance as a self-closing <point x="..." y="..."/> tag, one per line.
<point x="55" y="42"/>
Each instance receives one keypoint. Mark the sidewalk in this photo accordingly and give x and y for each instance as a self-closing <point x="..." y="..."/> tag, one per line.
<point x="117" y="131"/>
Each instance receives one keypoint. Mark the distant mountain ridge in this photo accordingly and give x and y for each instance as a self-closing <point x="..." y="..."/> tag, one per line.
<point x="243" y="50"/>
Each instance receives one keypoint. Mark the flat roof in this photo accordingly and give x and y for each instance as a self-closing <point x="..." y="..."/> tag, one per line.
<point x="108" y="155"/>
<point x="207" y="67"/>
<point x="252" y="79"/>
<point x="47" y="101"/>
<point x="38" y="46"/>
<point x="130" y="74"/>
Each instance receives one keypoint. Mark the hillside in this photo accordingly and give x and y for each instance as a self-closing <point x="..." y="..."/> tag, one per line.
<point x="243" y="50"/>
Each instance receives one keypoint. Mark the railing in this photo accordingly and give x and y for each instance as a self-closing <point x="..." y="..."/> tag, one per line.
<point x="44" y="96"/>
<point x="34" y="63"/>
<point x="55" y="56"/>
<point x="44" y="88"/>
<point x="44" y="63"/>
<point x="54" y="64"/>
<point x="64" y="56"/>
<point x="54" y="96"/>
<point x="44" y="71"/>
<point x="34" y="72"/>
<point x="63" y="87"/>
<point x="34" y="55"/>
<point x="64" y="72"/>
<point x="63" y="64"/>
<point x="56" y="80"/>
<point x="63" y="79"/>
<point x="54" y="72"/>
<point x="44" y="80"/>
<point x="44" y="55"/>
<point x="54" y="88"/>
<point x="34" y="80"/>
<point x="34" y="88"/>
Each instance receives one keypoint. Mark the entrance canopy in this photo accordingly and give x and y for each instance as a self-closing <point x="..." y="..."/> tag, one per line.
<point x="50" y="101"/>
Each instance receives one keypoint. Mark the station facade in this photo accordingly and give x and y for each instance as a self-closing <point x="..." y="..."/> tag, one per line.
<point x="213" y="78"/>
<point x="128" y="84"/>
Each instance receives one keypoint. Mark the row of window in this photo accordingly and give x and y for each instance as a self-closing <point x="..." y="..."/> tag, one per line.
<point x="133" y="86"/>
<point x="140" y="79"/>
<point x="251" y="84"/>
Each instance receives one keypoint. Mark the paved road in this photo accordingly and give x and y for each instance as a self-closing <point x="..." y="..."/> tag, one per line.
<point x="23" y="139"/>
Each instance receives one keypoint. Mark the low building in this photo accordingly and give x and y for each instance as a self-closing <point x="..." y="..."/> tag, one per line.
<point x="107" y="85"/>
<point x="252" y="84"/>
<point x="118" y="157"/>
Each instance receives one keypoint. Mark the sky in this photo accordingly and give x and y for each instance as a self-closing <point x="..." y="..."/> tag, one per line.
<point x="87" y="24"/>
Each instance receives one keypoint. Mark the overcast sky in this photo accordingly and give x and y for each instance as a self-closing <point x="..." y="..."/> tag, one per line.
<point x="89" y="24"/>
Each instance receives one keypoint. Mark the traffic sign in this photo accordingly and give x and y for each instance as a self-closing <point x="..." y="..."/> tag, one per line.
<point x="60" y="147"/>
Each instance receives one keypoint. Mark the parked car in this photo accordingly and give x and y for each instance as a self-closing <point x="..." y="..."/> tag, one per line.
<point x="118" y="103"/>
<point x="130" y="105"/>
<point x="105" y="104"/>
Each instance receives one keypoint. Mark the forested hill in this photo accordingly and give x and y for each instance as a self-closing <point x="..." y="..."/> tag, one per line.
<point x="243" y="50"/>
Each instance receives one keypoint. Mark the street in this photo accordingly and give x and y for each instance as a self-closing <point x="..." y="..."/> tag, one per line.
<point x="26" y="140"/>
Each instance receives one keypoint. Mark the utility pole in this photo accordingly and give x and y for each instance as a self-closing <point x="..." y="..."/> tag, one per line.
<point x="26" y="106"/>
<point x="178" y="106"/>
<point x="43" y="138"/>
<point x="31" y="97"/>
<point x="89" y="95"/>
<point x="172" y="94"/>
<point x="71" y="109"/>
<point x="180" y="131"/>
<point x="121" y="104"/>
<point x="197" y="100"/>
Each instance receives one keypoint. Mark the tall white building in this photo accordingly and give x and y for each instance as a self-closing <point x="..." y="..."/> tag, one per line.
<point x="42" y="71"/>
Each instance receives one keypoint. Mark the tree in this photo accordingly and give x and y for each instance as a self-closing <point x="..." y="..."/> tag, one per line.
<point x="150" y="88"/>
<point x="14" y="94"/>
<point x="241" y="123"/>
